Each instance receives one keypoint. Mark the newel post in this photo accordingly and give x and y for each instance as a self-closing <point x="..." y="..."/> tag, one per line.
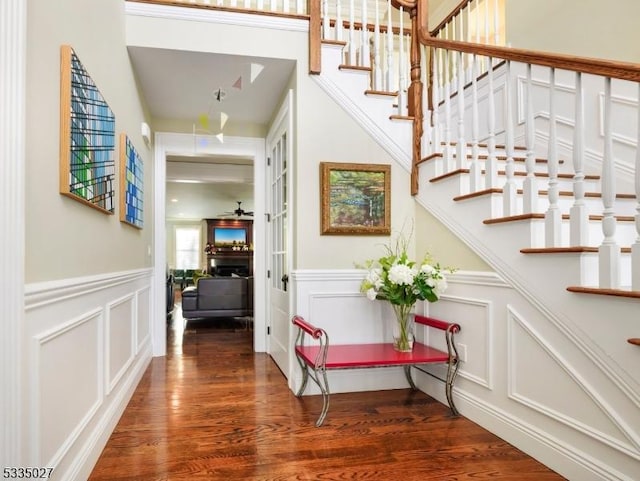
<point x="314" y="37"/>
<point x="415" y="98"/>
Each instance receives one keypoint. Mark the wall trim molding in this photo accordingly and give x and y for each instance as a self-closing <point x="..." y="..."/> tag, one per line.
<point x="503" y="423"/>
<point x="39" y="294"/>
<point x="564" y="364"/>
<point x="13" y="55"/>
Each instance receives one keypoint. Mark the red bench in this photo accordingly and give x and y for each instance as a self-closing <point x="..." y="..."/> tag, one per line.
<point x="316" y="359"/>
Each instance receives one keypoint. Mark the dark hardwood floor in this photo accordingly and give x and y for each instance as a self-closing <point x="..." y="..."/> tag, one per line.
<point x="214" y="410"/>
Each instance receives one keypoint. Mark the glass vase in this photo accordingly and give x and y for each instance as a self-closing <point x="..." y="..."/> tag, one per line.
<point x="403" y="328"/>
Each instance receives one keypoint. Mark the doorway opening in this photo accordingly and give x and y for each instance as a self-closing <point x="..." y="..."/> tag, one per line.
<point x="176" y="144"/>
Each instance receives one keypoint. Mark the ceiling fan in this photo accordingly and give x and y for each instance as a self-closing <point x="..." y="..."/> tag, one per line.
<point x="239" y="211"/>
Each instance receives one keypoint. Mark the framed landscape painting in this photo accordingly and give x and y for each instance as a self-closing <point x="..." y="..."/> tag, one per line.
<point x="355" y="198"/>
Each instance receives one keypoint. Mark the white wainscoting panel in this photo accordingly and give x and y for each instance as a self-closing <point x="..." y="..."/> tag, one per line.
<point x="120" y="338"/>
<point x="562" y="393"/>
<point x="475" y="339"/>
<point x="143" y="326"/>
<point x="67" y="384"/>
<point x="87" y="344"/>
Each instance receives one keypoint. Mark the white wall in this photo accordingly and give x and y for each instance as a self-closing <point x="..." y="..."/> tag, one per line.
<point x="65" y="238"/>
<point x="586" y="28"/>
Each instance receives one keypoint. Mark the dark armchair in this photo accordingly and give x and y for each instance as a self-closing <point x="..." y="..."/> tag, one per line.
<point x="218" y="297"/>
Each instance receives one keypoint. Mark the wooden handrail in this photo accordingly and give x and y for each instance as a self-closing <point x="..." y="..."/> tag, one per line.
<point x="451" y="15"/>
<point x="634" y="340"/>
<point x="594" y="66"/>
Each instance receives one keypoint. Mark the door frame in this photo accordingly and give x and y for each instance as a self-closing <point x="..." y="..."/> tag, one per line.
<point x="285" y="114"/>
<point x="172" y="143"/>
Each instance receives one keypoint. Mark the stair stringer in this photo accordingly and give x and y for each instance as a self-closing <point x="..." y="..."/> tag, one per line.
<point x="590" y="329"/>
<point x="347" y="89"/>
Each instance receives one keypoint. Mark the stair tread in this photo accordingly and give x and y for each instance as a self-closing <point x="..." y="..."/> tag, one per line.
<point x="359" y="68"/>
<point x="541" y="215"/>
<point x="517" y="158"/>
<point x="518" y="173"/>
<point x="401" y="117"/>
<point x="564" y="250"/>
<point x="385" y="93"/>
<point x="564" y="193"/>
<point x="620" y="292"/>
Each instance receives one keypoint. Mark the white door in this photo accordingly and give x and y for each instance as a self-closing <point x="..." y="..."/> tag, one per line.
<point x="279" y="232"/>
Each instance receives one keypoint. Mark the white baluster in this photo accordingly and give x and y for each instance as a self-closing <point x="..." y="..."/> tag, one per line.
<point x="509" y="190"/>
<point x="247" y="4"/>
<point x="635" y="248"/>
<point x="352" y="35"/>
<point x="475" y="170"/>
<point x="436" y="55"/>
<point x="427" y="135"/>
<point x="273" y="5"/>
<point x="491" y="165"/>
<point x="365" y="59"/>
<point x="260" y="5"/>
<point x="326" y="24"/>
<point x="447" y="154"/>
<point x="553" y="216"/>
<point x="377" y="70"/>
<point x="402" y="94"/>
<point x="339" y="23"/>
<point x="530" y="187"/>
<point x="285" y="6"/>
<point x="579" y="233"/>
<point x="233" y="3"/>
<point x="389" y="77"/>
<point x="472" y="59"/>
<point x="609" y="251"/>
<point x="300" y="6"/>
<point x="461" y="147"/>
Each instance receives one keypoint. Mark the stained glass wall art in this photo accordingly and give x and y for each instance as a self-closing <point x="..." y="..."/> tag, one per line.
<point x="131" y="184"/>
<point x="87" y="137"/>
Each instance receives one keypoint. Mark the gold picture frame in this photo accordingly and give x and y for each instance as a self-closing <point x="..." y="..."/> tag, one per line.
<point x="355" y="198"/>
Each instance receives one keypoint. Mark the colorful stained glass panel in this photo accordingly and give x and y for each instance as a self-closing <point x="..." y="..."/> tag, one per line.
<point x="131" y="184"/>
<point x="87" y="137"/>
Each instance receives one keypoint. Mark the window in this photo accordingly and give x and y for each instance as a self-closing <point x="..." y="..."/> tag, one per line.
<point x="187" y="247"/>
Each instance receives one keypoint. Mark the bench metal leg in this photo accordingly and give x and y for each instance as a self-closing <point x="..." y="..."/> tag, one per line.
<point x="323" y="384"/>
<point x="319" y="376"/>
<point x="305" y="377"/>
<point x="452" y="371"/>
<point x="407" y="373"/>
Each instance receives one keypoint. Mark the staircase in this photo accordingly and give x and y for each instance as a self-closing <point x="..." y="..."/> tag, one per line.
<point x="520" y="224"/>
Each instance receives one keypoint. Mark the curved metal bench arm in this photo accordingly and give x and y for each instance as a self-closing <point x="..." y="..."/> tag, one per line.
<point x="318" y="371"/>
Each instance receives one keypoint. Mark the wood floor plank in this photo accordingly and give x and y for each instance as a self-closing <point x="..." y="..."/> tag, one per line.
<point x="214" y="410"/>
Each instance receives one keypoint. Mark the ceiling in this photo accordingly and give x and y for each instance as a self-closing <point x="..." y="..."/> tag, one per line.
<point x="189" y="92"/>
<point x="187" y="89"/>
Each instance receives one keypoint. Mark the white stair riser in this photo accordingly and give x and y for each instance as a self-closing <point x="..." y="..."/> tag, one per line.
<point x="625" y="233"/>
